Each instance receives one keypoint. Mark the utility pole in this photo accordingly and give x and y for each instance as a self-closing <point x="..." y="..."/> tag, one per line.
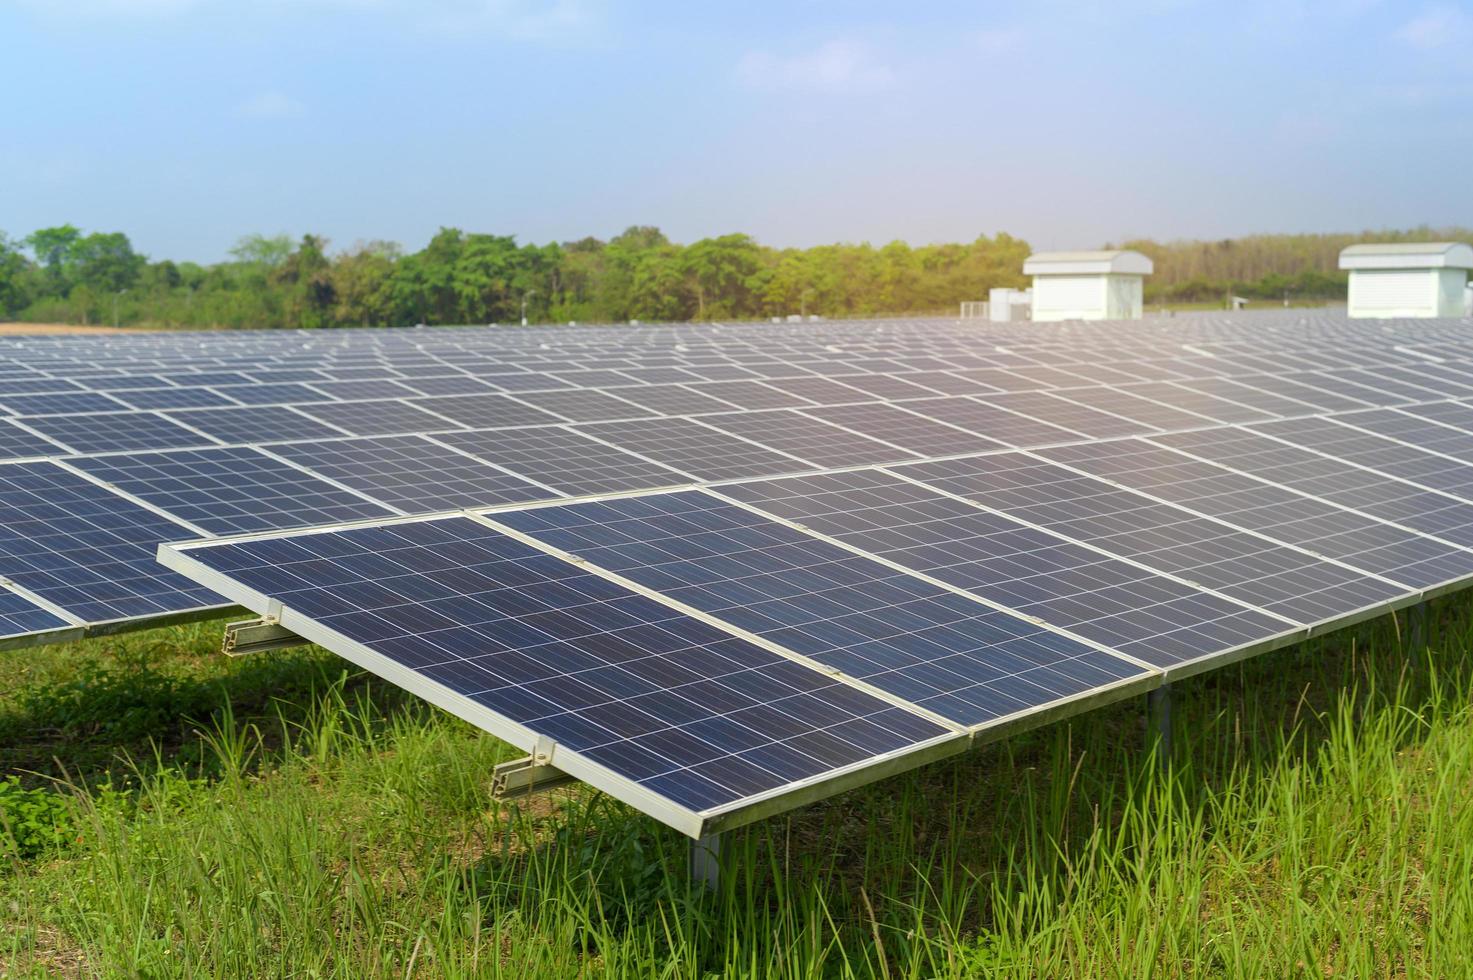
<point x="528" y="293"/>
<point x="116" y="295"/>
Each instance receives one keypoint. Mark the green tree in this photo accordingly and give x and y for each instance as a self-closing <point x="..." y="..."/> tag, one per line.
<point x="15" y="272"/>
<point x="52" y="248"/>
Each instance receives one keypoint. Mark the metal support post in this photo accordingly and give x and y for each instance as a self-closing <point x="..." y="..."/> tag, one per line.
<point x="1416" y="627"/>
<point x="705" y="861"/>
<point x="1158" y="713"/>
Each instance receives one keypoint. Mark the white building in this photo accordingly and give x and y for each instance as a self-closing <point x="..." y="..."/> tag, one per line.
<point x="1407" y="279"/>
<point x="1004" y="304"/>
<point x="1087" y="285"/>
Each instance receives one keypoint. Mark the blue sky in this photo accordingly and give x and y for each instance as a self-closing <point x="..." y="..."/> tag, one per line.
<point x="187" y="123"/>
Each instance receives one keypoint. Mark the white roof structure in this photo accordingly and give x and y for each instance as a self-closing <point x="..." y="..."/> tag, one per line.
<point x="1118" y="261"/>
<point x="1408" y="255"/>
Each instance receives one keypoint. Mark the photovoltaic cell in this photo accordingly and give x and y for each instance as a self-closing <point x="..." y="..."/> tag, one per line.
<point x="20" y="616"/>
<point x="1334" y="480"/>
<point x="941" y="651"/>
<point x="1070" y="415"/>
<point x="276" y="394"/>
<point x="808" y="438"/>
<point x="377" y="418"/>
<point x="87" y="550"/>
<point x="585" y="406"/>
<point x="116" y="432"/>
<point x="150" y="398"/>
<point x="918" y="433"/>
<point x="68" y="403"/>
<point x="487" y="411"/>
<point x="694" y="447"/>
<point x="1101" y="598"/>
<point x="749" y="394"/>
<point x="416" y="475"/>
<point x="230" y="490"/>
<point x="255" y="424"/>
<point x="564" y="460"/>
<point x="1274" y="511"/>
<point x="673" y="399"/>
<point x="1249" y="569"/>
<point x="17" y="443"/>
<point x="681" y="708"/>
<point x="1381" y="453"/>
<point x="991" y="421"/>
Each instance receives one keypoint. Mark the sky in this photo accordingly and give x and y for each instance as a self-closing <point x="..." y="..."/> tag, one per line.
<point x="189" y="123"/>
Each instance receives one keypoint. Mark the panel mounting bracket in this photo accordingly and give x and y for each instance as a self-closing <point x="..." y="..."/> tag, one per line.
<point x="258" y="636"/>
<point x="530" y="774"/>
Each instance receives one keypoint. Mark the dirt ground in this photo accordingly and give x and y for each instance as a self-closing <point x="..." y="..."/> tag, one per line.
<point x="33" y="328"/>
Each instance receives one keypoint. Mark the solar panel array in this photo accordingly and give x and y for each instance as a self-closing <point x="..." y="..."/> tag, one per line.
<point x="720" y="569"/>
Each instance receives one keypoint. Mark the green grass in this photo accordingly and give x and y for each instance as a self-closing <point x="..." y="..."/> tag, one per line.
<point x="279" y="815"/>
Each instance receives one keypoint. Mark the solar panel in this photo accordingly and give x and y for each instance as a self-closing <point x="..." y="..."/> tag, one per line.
<point x="364" y="390"/>
<point x="252" y="424"/>
<point x="486" y="411"/>
<point x="749" y="394"/>
<point x="1380" y="453"/>
<point x="69" y="403"/>
<point x="276" y="394"/>
<point x="85" y="549"/>
<point x="673" y="399"/>
<point x="23" y="620"/>
<point x="841" y="482"/>
<point x="230" y="490"/>
<point x="992" y="421"/>
<point x="1102" y="598"/>
<point x="1250" y="569"/>
<point x="1279" y="513"/>
<point x="946" y="653"/>
<point x="114" y="432"/>
<point x="1070" y="415"/>
<point x="413" y="474"/>
<point x="681" y="717"/>
<point x="564" y="460"/>
<point x="378" y="418"/>
<point x="1386" y="497"/>
<point x="893" y="424"/>
<point x="695" y="448"/>
<point x="808" y="438"/>
<point x="18" y="443"/>
<point x="147" y="398"/>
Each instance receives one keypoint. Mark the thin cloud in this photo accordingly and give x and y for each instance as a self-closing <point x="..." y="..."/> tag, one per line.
<point x="522" y="20"/>
<point x="1436" y="27"/>
<point x="271" y="105"/>
<point x="998" y="40"/>
<point x="838" y="66"/>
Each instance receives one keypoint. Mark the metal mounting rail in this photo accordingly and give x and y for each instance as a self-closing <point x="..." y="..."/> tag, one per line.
<point x="524" y="777"/>
<point x="258" y="636"/>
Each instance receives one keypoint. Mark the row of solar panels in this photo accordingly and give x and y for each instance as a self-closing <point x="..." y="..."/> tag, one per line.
<point x="79" y="532"/>
<point x="714" y="655"/>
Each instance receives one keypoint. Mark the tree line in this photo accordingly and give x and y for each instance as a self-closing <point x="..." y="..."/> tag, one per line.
<point x="64" y="275"/>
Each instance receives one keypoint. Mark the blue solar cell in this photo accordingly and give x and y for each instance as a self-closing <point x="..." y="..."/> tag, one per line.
<point x="116" y="432"/>
<point x="945" y="652"/>
<point x="415" y="475"/>
<point x="87" y="550"/>
<point x="1112" y="602"/>
<point x="17" y="443"/>
<point x="20" y="616"/>
<point x="230" y="490"/>
<point x="683" y="709"/>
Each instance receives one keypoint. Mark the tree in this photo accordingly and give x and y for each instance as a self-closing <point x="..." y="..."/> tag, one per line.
<point x="271" y="251"/>
<point x="14" y="273"/>
<point x="724" y="275"/>
<point x="105" y="262"/>
<point x="52" y="248"/>
<point x="310" y="293"/>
